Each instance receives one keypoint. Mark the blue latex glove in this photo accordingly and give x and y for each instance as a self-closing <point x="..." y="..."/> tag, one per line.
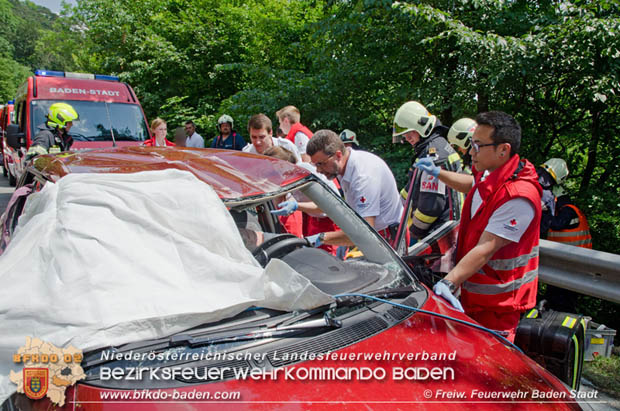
<point x="286" y="208"/>
<point x="443" y="291"/>
<point x="314" y="240"/>
<point x="427" y="164"/>
<point x="548" y="201"/>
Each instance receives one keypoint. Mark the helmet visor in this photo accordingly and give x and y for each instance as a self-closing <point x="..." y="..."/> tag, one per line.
<point x="550" y="171"/>
<point x="397" y="133"/>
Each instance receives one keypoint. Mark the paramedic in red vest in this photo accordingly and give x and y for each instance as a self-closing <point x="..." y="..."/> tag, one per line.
<point x="159" y="128"/>
<point x="314" y="224"/>
<point x="296" y="132"/>
<point x="497" y="248"/>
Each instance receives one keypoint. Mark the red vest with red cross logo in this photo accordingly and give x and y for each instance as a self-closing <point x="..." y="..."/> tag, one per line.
<point x="509" y="280"/>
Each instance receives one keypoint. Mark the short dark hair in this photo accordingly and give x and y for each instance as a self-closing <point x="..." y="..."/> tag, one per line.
<point x="259" y="122"/>
<point x="281" y="153"/>
<point x="190" y="122"/>
<point x="326" y="141"/>
<point x="505" y="129"/>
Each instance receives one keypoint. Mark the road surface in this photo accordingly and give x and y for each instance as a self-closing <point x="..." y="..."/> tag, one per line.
<point x="5" y="192"/>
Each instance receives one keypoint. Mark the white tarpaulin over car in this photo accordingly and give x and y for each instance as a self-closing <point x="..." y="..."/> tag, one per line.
<point x="106" y="259"/>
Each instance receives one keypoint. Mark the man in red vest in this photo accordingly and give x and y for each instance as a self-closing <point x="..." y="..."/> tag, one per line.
<point x="497" y="248"/>
<point x="296" y="132"/>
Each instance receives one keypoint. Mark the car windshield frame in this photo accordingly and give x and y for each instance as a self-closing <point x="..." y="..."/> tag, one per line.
<point x="95" y="117"/>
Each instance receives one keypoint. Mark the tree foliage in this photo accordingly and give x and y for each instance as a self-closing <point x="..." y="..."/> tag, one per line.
<point x="351" y="64"/>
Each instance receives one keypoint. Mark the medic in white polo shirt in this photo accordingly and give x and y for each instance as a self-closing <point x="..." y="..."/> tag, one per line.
<point x="368" y="184"/>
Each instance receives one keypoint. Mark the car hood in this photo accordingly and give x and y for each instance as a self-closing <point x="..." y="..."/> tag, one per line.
<point x="483" y="367"/>
<point x="150" y="237"/>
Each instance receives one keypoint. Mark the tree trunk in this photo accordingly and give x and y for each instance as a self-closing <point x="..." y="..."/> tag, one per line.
<point x="592" y="151"/>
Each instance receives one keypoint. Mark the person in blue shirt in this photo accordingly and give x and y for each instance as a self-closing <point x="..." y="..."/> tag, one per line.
<point x="228" y="137"/>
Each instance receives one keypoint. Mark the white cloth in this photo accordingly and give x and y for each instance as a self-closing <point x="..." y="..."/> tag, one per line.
<point x="107" y="259"/>
<point x="510" y="220"/>
<point x="277" y="142"/>
<point x="195" y="140"/>
<point x="370" y="188"/>
<point x="301" y="141"/>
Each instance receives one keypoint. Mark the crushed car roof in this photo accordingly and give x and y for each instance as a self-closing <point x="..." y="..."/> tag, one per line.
<point x="232" y="174"/>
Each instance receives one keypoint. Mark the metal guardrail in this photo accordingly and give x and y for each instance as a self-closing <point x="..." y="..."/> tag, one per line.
<point x="592" y="272"/>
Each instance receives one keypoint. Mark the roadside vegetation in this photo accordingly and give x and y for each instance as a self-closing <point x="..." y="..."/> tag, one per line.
<point x="604" y="373"/>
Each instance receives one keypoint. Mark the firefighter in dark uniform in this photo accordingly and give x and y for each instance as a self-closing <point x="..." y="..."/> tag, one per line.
<point x="53" y="136"/>
<point x="431" y="199"/>
<point x="562" y="222"/>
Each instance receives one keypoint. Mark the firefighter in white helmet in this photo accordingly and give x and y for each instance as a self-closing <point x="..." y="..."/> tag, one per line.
<point x="561" y="222"/>
<point x="431" y="199"/>
<point x="227" y="138"/>
<point x="459" y="136"/>
<point x="349" y="138"/>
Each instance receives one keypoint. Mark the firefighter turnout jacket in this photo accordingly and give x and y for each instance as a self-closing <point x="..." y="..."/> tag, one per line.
<point x="432" y="199"/>
<point x="49" y="140"/>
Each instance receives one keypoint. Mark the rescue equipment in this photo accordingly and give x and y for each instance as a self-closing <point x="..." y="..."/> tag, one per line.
<point x="555" y="340"/>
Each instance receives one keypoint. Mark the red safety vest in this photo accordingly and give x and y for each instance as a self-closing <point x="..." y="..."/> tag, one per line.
<point x="294" y="129"/>
<point x="578" y="236"/>
<point x="151" y="142"/>
<point x="509" y="280"/>
<point x="293" y="223"/>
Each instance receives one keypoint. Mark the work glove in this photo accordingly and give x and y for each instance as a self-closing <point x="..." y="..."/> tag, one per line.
<point x="427" y="164"/>
<point x="548" y="201"/>
<point x="286" y="208"/>
<point x="315" y="240"/>
<point x="443" y="291"/>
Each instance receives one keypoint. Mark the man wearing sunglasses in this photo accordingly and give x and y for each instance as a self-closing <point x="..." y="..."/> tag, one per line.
<point x="497" y="248"/>
<point x="429" y="197"/>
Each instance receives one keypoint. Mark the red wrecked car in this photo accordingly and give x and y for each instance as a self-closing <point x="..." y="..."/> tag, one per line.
<point x="382" y="340"/>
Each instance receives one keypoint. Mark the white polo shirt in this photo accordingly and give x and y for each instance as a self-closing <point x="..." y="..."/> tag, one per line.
<point x="370" y="188"/>
<point x="510" y="220"/>
<point x="301" y="141"/>
<point x="277" y="142"/>
<point x="195" y="140"/>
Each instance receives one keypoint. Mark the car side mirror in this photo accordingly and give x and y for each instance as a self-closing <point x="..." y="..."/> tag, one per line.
<point x="15" y="138"/>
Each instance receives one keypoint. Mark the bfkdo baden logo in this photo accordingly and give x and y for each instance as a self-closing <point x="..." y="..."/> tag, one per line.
<point x="48" y="370"/>
<point x="36" y="381"/>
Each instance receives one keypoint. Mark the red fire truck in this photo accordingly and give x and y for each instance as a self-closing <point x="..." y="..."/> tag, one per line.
<point x="6" y="112"/>
<point x="109" y="113"/>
